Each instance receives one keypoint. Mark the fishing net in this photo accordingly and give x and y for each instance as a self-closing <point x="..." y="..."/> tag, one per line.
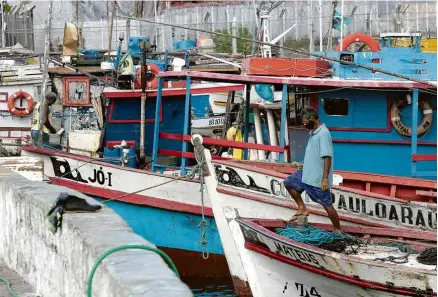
<point x="428" y="256"/>
<point x="334" y="241"/>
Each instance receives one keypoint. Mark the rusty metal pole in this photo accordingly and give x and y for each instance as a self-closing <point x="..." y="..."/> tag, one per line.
<point x="45" y="73"/>
<point x="144" y="48"/>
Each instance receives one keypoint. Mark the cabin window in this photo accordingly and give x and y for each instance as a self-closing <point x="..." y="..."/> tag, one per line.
<point x="299" y="98"/>
<point x="335" y="106"/>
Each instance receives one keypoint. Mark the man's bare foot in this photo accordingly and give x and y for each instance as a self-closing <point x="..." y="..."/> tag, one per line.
<point x="300" y="212"/>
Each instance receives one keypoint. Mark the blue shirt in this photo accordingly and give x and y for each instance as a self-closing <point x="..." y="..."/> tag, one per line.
<point x="319" y="146"/>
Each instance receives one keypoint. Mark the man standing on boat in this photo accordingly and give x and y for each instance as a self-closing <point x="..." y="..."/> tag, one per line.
<point x="315" y="176"/>
<point x="47" y="127"/>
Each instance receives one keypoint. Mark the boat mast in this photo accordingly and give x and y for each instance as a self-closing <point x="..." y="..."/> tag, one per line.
<point x="45" y="73"/>
<point x="330" y="29"/>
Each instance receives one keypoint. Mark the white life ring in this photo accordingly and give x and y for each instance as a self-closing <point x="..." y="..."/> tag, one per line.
<point x="402" y="129"/>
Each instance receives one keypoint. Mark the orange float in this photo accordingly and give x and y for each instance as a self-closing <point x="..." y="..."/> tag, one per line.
<point x="359" y="37"/>
<point x="17" y="111"/>
<point x="152" y="82"/>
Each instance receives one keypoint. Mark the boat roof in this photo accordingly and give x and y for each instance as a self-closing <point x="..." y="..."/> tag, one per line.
<point x="304" y="81"/>
<point x="399" y="34"/>
<point x="198" y="88"/>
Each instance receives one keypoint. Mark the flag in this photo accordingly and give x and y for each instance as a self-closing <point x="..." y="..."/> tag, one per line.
<point x="337" y="21"/>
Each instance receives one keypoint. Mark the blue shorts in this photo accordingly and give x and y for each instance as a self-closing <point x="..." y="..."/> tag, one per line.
<point x="316" y="194"/>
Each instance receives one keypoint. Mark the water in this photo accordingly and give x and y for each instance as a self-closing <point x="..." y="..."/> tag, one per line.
<point x="210" y="287"/>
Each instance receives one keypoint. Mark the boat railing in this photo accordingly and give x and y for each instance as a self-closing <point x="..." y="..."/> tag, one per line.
<point x="208" y="141"/>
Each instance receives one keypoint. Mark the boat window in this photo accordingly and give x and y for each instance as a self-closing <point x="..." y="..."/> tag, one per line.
<point x="299" y="98"/>
<point x="335" y="106"/>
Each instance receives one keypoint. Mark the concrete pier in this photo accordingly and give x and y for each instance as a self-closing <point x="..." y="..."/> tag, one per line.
<point x="59" y="264"/>
<point x="17" y="283"/>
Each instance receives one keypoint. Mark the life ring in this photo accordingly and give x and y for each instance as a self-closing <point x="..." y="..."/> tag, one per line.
<point x="151" y="82"/>
<point x="359" y="37"/>
<point x="401" y="128"/>
<point x="17" y="111"/>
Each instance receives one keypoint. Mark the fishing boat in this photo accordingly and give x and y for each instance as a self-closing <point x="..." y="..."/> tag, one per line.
<point x="167" y="209"/>
<point x="279" y="266"/>
<point x="264" y="263"/>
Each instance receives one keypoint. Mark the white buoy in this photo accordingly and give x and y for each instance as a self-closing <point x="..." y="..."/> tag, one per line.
<point x="272" y="133"/>
<point x="259" y="134"/>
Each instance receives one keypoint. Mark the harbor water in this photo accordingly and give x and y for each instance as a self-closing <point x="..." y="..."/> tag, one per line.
<point x="210" y="287"/>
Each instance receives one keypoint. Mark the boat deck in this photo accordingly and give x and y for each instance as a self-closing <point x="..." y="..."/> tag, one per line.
<point x="371" y="252"/>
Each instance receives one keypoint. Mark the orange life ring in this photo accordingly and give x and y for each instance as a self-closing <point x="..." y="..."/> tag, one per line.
<point x="359" y="37"/>
<point x="151" y="83"/>
<point x="402" y="129"/>
<point x="17" y="111"/>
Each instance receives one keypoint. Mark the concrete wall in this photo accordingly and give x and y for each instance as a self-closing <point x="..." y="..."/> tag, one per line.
<point x="58" y="264"/>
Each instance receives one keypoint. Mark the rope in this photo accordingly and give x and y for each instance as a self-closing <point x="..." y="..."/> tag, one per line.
<point x="428" y="256"/>
<point x="203" y="224"/>
<point x="310" y="235"/>
<point x="8" y="287"/>
<point x="402" y="247"/>
<point x="189" y="176"/>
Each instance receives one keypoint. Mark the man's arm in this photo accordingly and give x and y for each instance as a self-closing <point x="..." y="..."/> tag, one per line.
<point x="327" y="165"/>
<point x="46" y="120"/>
<point x="326" y="152"/>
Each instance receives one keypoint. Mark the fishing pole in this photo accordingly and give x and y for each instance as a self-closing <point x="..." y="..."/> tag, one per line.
<point x="429" y="84"/>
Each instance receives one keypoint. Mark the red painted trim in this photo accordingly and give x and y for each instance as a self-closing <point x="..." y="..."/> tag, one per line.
<point x="224" y="143"/>
<point x="111" y="144"/>
<point x="377" y="130"/>
<point x="6" y="98"/>
<point x="368" y="141"/>
<point x="185" y="155"/>
<point x="333" y="275"/>
<point x="133" y="199"/>
<point x="289" y="204"/>
<point x="328" y="82"/>
<point x="424" y="157"/>
<point x="119" y="94"/>
<point x="362" y="230"/>
<point x="14" y="129"/>
<point x="347" y="175"/>
<point x="111" y="121"/>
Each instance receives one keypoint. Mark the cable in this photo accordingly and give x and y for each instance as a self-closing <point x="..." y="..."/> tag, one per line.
<point x="8" y="287"/>
<point x="165" y="257"/>
<point x="425" y="83"/>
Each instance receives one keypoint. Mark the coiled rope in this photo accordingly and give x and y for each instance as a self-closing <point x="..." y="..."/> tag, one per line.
<point x="310" y="235"/>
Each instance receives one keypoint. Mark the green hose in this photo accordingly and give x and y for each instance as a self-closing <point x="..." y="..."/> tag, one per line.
<point x="126" y="247"/>
<point x="8" y="286"/>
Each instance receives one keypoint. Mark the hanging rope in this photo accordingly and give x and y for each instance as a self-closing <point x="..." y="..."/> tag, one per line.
<point x="203" y="224"/>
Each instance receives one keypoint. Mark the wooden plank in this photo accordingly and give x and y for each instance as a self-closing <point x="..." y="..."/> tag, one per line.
<point x="185" y="155"/>
<point x="20" y="73"/>
<point x="224" y="143"/>
<point x="426" y="193"/>
<point x="14" y="83"/>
